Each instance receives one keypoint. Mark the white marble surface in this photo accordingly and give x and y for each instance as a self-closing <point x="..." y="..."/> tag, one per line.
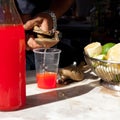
<point x="85" y="100"/>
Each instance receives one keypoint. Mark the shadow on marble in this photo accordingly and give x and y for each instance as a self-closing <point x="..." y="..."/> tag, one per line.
<point x="62" y="92"/>
<point x="58" y="95"/>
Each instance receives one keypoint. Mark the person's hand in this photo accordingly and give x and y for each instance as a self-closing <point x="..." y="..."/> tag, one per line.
<point x="44" y="21"/>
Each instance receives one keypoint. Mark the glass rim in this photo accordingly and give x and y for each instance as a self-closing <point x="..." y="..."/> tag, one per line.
<point x="49" y="50"/>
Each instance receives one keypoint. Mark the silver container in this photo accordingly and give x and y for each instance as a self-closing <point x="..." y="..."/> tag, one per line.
<point x="108" y="71"/>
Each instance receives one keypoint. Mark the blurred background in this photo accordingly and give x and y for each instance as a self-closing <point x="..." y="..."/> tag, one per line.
<point x="87" y="21"/>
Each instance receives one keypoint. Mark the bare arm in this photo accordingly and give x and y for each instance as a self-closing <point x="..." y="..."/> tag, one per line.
<point x="45" y="21"/>
<point x="59" y="7"/>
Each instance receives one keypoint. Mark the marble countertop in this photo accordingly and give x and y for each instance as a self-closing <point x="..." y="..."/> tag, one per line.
<point x="84" y="100"/>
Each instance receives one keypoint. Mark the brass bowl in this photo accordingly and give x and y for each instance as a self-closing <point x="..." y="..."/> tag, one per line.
<point x="108" y="71"/>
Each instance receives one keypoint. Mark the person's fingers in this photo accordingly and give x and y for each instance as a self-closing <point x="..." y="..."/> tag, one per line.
<point x="31" y="23"/>
<point x="32" y="44"/>
<point x="28" y="25"/>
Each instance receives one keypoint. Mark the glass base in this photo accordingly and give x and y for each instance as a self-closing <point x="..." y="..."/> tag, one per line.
<point x="115" y="87"/>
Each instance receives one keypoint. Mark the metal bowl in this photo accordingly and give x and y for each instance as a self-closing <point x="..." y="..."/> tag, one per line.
<point x="108" y="71"/>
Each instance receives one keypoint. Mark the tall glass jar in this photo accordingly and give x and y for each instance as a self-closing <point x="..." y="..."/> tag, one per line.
<point x="12" y="58"/>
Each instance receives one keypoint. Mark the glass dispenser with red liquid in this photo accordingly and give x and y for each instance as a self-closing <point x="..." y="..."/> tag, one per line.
<point x="12" y="58"/>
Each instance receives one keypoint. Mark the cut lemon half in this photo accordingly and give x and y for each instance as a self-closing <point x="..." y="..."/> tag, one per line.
<point x="93" y="49"/>
<point x="113" y="53"/>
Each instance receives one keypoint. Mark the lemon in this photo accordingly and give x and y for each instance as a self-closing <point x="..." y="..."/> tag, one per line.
<point x="113" y="53"/>
<point x="101" y="56"/>
<point x="106" y="47"/>
<point x="93" y="49"/>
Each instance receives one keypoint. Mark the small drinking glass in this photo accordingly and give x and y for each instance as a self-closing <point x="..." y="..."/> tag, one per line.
<point x="47" y="64"/>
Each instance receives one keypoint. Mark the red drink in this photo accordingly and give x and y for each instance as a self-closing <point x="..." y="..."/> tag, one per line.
<point x="46" y="80"/>
<point x="12" y="67"/>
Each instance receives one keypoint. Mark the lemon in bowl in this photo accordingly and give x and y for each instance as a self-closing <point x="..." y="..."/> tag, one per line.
<point x="106" y="47"/>
<point x="106" y="66"/>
